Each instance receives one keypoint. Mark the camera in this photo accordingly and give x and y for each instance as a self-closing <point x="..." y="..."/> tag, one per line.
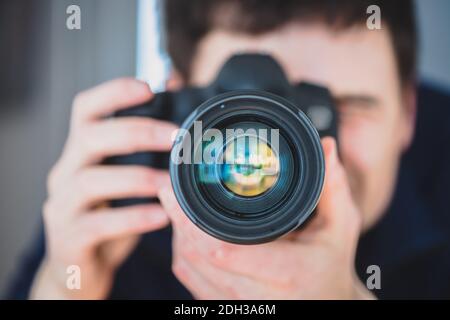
<point x="247" y="164"/>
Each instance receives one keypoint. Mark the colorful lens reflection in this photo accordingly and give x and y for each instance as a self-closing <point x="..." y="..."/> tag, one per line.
<point x="250" y="167"/>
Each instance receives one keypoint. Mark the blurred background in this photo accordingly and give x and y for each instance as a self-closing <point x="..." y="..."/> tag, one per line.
<point x="43" y="65"/>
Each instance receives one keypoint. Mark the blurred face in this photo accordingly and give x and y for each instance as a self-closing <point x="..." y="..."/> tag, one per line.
<point x="359" y="68"/>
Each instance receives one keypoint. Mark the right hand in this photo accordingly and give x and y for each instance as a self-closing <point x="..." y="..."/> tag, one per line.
<point x="79" y="229"/>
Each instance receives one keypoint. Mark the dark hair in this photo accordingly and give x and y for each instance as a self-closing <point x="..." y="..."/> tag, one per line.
<point x="188" y="21"/>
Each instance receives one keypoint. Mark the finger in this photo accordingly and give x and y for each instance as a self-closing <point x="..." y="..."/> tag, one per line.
<point x="215" y="283"/>
<point x="187" y="274"/>
<point x="336" y="206"/>
<point x="194" y="281"/>
<point x="109" y="97"/>
<point x="117" y="250"/>
<point x="113" y="223"/>
<point x="168" y="200"/>
<point x="261" y="262"/>
<point x="117" y="136"/>
<point x="258" y="262"/>
<point x="102" y="183"/>
<point x="231" y="282"/>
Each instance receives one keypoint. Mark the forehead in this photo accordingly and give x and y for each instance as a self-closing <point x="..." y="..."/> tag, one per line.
<point x="349" y="61"/>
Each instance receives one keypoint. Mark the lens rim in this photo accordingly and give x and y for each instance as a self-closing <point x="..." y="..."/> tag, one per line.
<point x="301" y="201"/>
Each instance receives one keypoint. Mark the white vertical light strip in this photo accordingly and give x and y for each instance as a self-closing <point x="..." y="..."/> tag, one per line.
<point x="152" y="64"/>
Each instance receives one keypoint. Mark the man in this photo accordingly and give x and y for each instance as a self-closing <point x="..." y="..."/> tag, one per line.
<point x="366" y="216"/>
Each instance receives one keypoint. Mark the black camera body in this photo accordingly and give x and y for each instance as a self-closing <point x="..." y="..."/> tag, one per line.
<point x="250" y="91"/>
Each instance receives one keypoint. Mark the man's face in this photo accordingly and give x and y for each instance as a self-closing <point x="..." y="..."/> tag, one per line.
<point x="358" y="66"/>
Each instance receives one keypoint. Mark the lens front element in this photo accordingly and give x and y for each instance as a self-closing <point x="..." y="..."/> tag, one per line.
<point x="251" y="166"/>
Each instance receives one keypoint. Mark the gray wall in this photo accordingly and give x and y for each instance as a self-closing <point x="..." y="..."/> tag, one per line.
<point x="32" y="134"/>
<point x="434" y="18"/>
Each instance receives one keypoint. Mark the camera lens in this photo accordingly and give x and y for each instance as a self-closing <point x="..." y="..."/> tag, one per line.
<point x="247" y="167"/>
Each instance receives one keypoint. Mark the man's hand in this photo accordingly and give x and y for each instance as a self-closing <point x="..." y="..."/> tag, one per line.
<point x="314" y="263"/>
<point x="79" y="229"/>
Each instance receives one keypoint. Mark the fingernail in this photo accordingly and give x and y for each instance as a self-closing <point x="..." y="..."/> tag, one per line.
<point x="164" y="196"/>
<point x="333" y="153"/>
<point x="329" y="148"/>
<point x="141" y="87"/>
<point x="166" y="134"/>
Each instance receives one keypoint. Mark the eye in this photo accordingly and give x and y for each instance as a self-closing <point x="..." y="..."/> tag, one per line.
<point x="356" y="105"/>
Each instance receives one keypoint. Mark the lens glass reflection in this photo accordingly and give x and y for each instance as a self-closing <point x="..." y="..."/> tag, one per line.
<point x="250" y="166"/>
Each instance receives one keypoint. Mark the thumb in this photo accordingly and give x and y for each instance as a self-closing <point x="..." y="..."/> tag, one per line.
<point x="336" y="206"/>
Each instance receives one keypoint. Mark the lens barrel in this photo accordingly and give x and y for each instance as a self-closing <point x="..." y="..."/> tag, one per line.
<point x="253" y="172"/>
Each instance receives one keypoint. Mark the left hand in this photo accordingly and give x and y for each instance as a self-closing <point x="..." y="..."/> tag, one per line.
<point x="314" y="263"/>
